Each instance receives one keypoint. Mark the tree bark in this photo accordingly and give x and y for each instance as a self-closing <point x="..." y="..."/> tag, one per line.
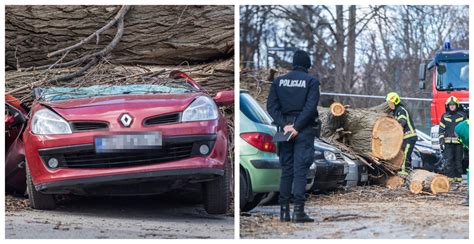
<point x="367" y="131"/>
<point x="421" y="180"/>
<point x="153" y="35"/>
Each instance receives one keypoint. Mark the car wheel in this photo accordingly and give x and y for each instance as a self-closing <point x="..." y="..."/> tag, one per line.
<point x="38" y="200"/>
<point x="252" y="204"/>
<point x="217" y="193"/>
<point x="244" y="189"/>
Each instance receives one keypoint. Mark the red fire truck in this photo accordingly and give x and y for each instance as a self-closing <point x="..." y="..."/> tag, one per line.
<point x="450" y="69"/>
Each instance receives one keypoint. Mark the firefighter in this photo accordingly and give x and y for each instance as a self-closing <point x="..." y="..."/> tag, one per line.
<point x="448" y="140"/>
<point x="292" y="103"/>
<point x="404" y="118"/>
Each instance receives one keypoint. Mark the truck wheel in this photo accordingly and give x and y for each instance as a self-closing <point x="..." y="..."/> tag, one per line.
<point x="38" y="200"/>
<point x="217" y="193"/>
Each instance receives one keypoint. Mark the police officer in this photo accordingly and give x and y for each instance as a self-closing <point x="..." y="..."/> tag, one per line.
<point x="449" y="141"/>
<point x="403" y="117"/>
<point x="292" y="103"/>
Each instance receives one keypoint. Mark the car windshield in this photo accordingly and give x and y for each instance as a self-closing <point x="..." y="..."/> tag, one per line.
<point x="65" y="93"/>
<point x="452" y="76"/>
<point x="252" y="109"/>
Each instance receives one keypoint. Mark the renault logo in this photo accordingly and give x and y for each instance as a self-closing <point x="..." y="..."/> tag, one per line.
<point x="126" y="120"/>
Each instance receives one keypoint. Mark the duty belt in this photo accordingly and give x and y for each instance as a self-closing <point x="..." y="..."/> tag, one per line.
<point x="409" y="135"/>
<point x="454" y="140"/>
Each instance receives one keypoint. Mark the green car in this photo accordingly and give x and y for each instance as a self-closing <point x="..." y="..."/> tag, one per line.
<point x="259" y="166"/>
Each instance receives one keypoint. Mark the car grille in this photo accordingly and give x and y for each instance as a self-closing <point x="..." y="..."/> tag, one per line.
<point x="162" y="119"/>
<point x="88" y="126"/>
<point x="91" y="159"/>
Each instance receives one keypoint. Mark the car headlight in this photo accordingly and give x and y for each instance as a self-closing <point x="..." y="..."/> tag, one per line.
<point x="46" y="122"/>
<point x="203" y="108"/>
<point x="328" y="155"/>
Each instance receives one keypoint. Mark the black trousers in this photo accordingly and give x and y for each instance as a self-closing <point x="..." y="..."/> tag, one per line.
<point x="453" y="154"/>
<point x="407" y="146"/>
<point x="296" y="156"/>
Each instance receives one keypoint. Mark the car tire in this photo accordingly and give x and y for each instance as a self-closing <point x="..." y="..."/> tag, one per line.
<point x="38" y="200"/>
<point x="244" y="189"/>
<point x="217" y="192"/>
<point x="252" y="204"/>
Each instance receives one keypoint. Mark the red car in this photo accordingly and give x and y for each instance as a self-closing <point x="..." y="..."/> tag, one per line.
<point x="128" y="140"/>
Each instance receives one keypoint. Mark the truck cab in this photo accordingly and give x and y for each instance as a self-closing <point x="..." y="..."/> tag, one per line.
<point x="450" y="72"/>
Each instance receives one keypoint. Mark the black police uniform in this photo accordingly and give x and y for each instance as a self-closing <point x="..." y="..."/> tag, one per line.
<point x="409" y="137"/>
<point x="453" y="149"/>
<point x="293" y="99"/>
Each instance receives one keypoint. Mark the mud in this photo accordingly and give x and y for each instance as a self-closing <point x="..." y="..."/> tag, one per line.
<point x="115" y="217"/>
<point x="368" y="212"/>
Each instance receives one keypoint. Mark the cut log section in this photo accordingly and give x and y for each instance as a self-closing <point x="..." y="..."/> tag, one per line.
<point x="387" y="138"/>
<point x="422" y="180"/>
<point x="337" y="109"/>
<point x="394" y="182"/>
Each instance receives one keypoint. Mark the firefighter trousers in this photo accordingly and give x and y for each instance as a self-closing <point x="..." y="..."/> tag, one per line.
<point x="453" y="154"/>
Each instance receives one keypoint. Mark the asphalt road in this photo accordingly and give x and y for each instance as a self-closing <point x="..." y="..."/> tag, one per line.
<point x="368" y="213"/>
<point x="117" y="217"/>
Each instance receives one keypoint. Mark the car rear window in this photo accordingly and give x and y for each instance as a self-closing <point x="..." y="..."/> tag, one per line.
<point x="252" y="109"/>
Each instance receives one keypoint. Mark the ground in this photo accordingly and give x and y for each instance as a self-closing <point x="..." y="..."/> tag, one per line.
<point x="368" y="212"/>
<point x="115" y="217"/>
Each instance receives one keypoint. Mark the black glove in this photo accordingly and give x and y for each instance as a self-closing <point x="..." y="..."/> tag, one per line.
<point x="441" y="145"/>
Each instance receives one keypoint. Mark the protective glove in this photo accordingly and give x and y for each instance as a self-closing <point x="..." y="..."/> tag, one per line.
<point x="441" y="145"/>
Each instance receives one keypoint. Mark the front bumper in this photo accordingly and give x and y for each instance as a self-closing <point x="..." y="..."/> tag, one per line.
<point x="74" y="172"/>
<point x="329" y="174"/>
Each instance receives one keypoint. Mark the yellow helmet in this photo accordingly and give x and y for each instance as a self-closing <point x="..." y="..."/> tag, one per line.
<point x="452" y="100"/>
<point x="393" y="97"/>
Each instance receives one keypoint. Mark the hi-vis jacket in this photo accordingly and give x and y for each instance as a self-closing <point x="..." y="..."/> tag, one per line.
<point x="403" y="117"/>
<point x="295" y="94"/>
<point x="448" y="122"/>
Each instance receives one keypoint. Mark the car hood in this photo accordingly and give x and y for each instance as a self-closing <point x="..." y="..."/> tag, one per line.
<point x="152" y="104"/>
<point x="323" y="146"/>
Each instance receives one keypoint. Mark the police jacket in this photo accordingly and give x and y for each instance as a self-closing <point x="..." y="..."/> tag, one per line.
<point x="447" y="123"/>
<point x="296" y="96"/>
<point x="404" y="118"/>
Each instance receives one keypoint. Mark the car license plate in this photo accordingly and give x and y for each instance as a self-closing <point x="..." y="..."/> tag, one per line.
<point x="128" y="142"/>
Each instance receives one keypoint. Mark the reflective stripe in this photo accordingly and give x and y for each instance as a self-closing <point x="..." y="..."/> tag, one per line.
<point x="442" y="125"/>
<point x="441" y="136"/>
<point x="459" y="119"/>
<point x="410" y="135"/>
<point x="448" y="119"/>
<point x="454" y="140"/>
<point x="405" y="152"/>
<point x="402" y="117"/>
<point x="408" y="121"/>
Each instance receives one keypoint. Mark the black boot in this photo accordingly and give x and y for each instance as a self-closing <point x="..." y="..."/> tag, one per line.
<point x="285" y="212"/>
<point x="299" y="216"/>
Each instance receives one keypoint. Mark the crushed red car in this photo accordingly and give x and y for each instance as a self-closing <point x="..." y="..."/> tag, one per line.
<point x="128" y="140"/>
<point x="15" y="118"/>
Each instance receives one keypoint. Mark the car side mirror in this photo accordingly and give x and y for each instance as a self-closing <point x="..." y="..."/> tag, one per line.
<point x="224" y="98"/>
<point x="37" y="93"/>
<point x="422" y="72"/>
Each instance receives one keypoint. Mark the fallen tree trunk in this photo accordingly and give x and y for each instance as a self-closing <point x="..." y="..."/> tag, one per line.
<point x="367" y="131"/>
<point x="153" y="35"/>
<point x="422" y="180"/>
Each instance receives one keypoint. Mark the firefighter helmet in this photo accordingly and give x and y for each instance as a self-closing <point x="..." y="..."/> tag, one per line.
<point x="393" y="97"/>
<point x="452" y="100"/>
